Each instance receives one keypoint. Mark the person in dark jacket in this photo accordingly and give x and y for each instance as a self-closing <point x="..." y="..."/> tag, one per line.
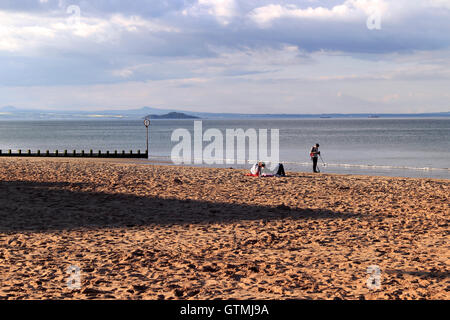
<point x="315" y="153"/>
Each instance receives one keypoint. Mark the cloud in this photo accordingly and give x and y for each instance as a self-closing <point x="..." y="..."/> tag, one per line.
<point x="193" y="26"/>
<point x="443" y="4"/>
<point x="222" y="10"/>
<point x="22" y="32"/>
<point x="225" y="47"/>
<point x="266" y="14"/>
<point x="349" y="10"/>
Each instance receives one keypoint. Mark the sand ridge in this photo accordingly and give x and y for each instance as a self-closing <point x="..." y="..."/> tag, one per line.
<point x="167" y="232"/>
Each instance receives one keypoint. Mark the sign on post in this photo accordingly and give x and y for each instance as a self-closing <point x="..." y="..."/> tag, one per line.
<point x="147" y="124"/>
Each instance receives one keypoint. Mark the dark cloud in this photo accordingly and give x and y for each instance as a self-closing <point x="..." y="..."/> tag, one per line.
<point x="119" y="36"/>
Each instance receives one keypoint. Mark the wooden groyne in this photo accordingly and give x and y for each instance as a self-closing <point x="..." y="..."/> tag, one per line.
<point x="75" y="154"/>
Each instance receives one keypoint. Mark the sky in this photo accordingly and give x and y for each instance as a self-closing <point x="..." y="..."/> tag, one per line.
<point x="244" y="56"/>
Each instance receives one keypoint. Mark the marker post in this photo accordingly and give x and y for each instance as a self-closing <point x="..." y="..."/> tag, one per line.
<point x="147" y="124"/>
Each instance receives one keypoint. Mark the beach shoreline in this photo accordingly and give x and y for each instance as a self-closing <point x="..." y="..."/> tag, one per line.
<point x="142" y="231"/>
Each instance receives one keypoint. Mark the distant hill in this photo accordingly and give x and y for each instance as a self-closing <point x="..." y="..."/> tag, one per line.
<point x="171" y="115"/>
<point x="14" y="113"/>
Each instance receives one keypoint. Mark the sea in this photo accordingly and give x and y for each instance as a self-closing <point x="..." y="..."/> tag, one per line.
<point x="367" y="146"/>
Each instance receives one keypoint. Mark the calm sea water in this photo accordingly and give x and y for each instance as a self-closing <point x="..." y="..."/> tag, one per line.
<point x="393" y="147"/>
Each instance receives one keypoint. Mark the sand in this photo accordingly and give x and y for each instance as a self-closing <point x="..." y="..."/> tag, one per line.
<point x="164" y="232"/>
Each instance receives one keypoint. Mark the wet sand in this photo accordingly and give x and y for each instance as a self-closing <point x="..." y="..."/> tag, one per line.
<point x="165" y="232"/>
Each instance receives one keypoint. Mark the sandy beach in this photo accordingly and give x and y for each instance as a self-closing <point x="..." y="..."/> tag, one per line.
<point x="165" y="232"/>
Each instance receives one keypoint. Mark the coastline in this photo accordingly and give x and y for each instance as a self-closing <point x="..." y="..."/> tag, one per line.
<point x="140" y="231"/>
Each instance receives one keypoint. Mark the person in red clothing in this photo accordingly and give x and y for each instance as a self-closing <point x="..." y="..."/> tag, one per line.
<point x="315" y="153"/>
<point x="255" y="171"/>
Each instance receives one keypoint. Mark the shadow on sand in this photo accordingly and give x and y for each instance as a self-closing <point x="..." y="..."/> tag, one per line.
<point x="33" y="206"/>
<point x="433" y="274"/>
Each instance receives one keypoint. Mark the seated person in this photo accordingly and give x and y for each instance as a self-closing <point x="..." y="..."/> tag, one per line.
<point x="279" y="169"/>
<point x="258" y="169"/>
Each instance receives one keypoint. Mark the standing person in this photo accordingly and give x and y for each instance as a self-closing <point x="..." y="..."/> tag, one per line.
<point x="314" y="153"/>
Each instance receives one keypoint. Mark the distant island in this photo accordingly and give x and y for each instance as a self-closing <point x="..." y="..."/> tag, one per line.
<point x="170" y="115"/>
